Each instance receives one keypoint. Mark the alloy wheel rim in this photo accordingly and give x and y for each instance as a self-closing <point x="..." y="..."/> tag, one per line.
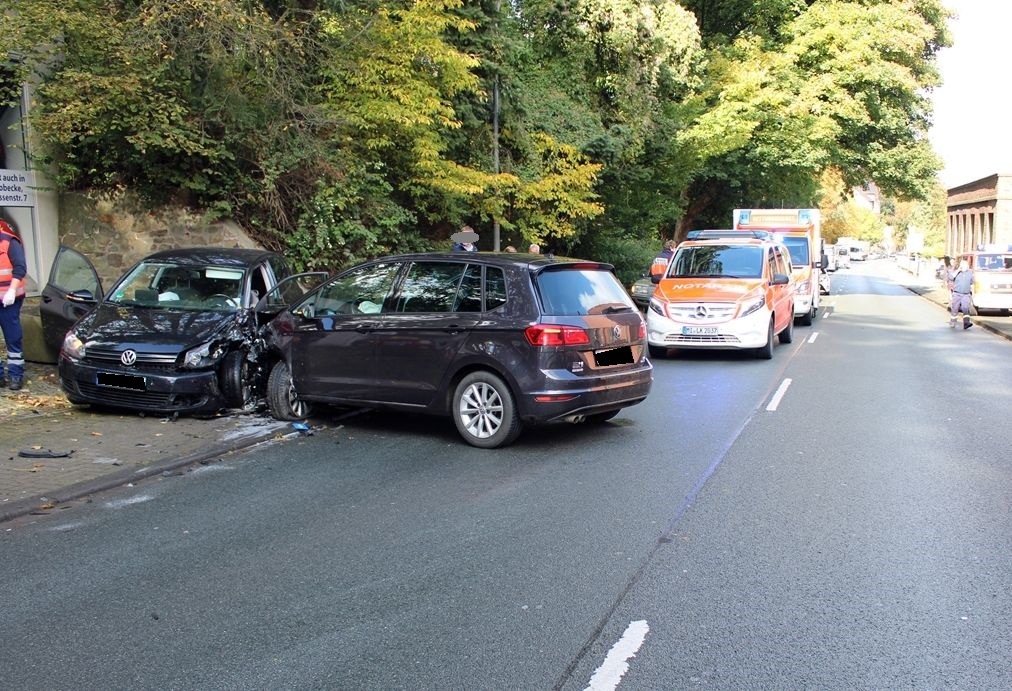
<point x="481" y="410"/>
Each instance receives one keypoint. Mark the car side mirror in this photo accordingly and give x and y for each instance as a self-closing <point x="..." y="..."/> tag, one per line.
<point x="656" y="278"/>
<point x="780" y="280"/>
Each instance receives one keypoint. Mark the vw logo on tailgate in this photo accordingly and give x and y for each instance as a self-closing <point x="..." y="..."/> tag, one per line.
<point x="128" y="358"/>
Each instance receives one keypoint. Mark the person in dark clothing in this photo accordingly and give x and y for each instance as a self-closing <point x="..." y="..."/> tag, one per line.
<point x="661" y="261"/>
<point x="464" y="240"/>
<point x="13" y="269"/>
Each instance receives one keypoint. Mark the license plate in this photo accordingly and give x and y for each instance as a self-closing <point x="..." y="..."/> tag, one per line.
<point x="613" y="356"/>
<point x="699" y="330"/>
<point x="121" y="381"/>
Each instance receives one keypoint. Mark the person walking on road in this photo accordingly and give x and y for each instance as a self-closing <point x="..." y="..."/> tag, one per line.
<point x="962" y="286"/>
<point x="13" y="269"/>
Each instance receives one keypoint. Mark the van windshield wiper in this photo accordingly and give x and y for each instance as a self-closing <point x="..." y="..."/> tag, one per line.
<point x="612" y="309"/>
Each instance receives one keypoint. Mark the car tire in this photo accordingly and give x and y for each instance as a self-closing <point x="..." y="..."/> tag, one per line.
<point x="806" y="319"/>
<point x="283" y="401"/>
<point x="787" y="335"/>
<point x="766" y="352"/>
<point x="657" y="352"/>
<point x="484" y="411"/>
<point x="237" y="380"/>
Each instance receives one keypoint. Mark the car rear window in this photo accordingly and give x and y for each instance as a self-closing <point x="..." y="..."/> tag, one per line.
<point x="580" y="291"/>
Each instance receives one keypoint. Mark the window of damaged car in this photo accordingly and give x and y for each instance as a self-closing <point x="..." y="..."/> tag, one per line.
<point x="364" y="290"/>
<point x="155" y="284"/>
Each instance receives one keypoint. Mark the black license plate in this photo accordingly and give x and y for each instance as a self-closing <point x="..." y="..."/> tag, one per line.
<point x="121" y="381"/>
<point x="614" y="356"/>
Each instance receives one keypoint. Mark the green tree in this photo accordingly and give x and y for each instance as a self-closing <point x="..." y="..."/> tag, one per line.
<point x="840" y="84"/>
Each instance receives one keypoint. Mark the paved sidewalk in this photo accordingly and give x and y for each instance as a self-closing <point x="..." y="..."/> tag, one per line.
<point x="52" y="456"/>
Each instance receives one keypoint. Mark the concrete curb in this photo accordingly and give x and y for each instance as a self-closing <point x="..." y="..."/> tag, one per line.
<point x="50" y="500"/>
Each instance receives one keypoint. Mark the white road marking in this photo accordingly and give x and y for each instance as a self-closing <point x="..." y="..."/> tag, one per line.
<point x="129" y="501"/>
<point x="615" y="665"/>
<point x="826" y="313"/>
<point x="781" y="390"/>
<point x="811" y="339"/>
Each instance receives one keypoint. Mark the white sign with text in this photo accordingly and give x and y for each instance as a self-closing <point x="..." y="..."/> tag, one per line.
<point x="17" y="187"/>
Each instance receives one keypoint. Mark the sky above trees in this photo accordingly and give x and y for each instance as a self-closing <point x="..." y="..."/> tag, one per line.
<point x="972" y="106"/>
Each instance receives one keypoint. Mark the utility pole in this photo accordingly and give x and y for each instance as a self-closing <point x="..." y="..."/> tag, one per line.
<point x="495" y="129"/>
<point x="495" y="150"/>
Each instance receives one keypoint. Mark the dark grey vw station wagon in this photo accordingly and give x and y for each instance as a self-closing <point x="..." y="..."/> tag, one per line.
<point x="495" y="341"/>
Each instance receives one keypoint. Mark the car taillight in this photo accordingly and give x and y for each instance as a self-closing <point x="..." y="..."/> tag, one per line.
<point x="550" y="335"/>
<point x="643" y="330"/>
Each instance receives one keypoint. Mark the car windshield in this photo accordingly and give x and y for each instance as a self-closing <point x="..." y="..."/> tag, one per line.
<point x="717" y="261"/>
<point x="798" y="248"/>
<point x="994" y="262"/>
<point x="173" y="286"/>
<point x="581" y="291"/>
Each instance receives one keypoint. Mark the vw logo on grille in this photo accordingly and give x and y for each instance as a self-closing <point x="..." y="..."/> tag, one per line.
<point x="616" y="331"/>
<point x="701" y="312"/>
<point x="128" y="357"/>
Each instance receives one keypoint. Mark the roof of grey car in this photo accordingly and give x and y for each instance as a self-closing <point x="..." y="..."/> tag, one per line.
<point x="207" y="256"/>
<point x="503" y="258"/>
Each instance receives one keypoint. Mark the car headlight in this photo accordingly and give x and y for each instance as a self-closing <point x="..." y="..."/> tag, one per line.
<point x="204" y="355"/>
<point x="756" y="304"/>
<point x="657" y="306"/>
<point x="73" y="347"/>
<point x="803" y="287"/>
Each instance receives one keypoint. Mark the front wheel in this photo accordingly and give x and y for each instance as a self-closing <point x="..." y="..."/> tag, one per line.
<point x="808" y="317"/>
<point x="282" y="399"/>
<point x="766" y="352"/>
<point x="484" y="411"/>
<point x="237" y="380"/>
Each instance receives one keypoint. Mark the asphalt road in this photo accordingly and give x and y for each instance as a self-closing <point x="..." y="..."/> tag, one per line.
<point x="837" y="517"/>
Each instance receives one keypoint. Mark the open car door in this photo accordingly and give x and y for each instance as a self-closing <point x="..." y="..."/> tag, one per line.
<point x="72" y="291"/>
<point x="287" y="292"/>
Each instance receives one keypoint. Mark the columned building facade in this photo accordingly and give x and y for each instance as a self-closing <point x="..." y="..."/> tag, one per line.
<point x="979" y="213"/>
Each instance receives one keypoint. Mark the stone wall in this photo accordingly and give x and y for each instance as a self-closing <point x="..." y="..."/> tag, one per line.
<point x="116" y="231"/>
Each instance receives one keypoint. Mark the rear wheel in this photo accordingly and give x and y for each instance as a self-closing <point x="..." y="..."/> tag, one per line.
<point x="282" y="399"/>
<point x="787" y="335"/>
<point x="766" y="352"/>
<point x="484" y="411"/>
